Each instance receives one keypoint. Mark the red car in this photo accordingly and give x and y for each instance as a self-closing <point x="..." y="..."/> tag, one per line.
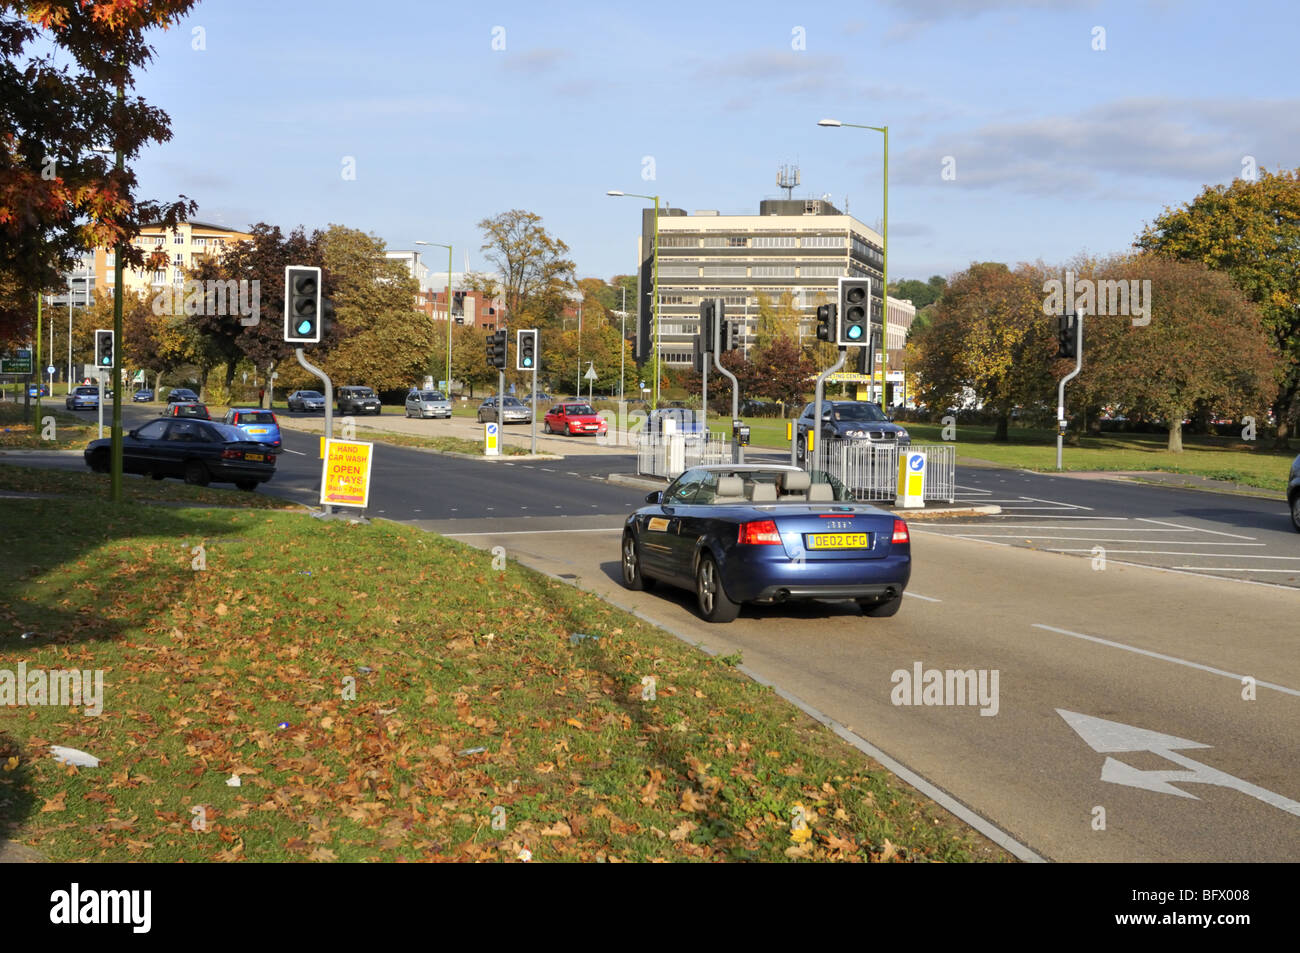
<point x="573" y="419"/>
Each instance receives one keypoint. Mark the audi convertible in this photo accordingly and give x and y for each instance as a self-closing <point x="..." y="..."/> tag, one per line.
<point x="739" y="534"/>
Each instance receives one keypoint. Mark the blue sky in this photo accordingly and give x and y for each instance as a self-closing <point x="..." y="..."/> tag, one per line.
<point x="1058" y="148"/>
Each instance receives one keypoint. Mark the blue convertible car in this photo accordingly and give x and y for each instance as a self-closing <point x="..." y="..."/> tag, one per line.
<point x="766" y="534"/>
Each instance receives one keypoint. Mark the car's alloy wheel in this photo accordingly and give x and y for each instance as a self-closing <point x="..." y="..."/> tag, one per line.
<point x="801" y="448"/>
<point x="880" y="608"/>
<point x="1295" y="512"/>
<point x="196" y="474"/>
<point x="713" y="601"/>
<point x="546" y="427"/>
<point x="99" y="461"/>
<point x="632" y="577"/>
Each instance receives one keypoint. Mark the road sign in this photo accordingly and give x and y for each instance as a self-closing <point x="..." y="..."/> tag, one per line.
<point x="1112" y="736"/>
<point x="911" y="479"/>
<point x="345" y="480"/>
<point x="590" y="375"/>
<point x="491" y="440"/>
<point x="20" y="362"/>
<point x="50" y="369"/>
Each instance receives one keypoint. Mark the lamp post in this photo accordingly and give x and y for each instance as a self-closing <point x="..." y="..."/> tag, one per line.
<point x="448" y="247"/>
<point x="655" y="294"/>
<point x="884" y="289"/>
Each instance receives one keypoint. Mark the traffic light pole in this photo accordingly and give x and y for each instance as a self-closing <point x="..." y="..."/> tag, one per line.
<point x="534" y="413"/>
<point x="1060" y="393"/>
<point x="817" y="405"/>
<point x="737" y="451"/>
<point x="329" y="405"/>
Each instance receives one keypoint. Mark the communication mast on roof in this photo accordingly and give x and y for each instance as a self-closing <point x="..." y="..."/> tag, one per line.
<point x="787" y="177"/>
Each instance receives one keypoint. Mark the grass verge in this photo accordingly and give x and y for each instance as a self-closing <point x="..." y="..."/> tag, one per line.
<point x="95" y="486"/>
<point x="385" y="694"/>
<point x="69" y="431"/>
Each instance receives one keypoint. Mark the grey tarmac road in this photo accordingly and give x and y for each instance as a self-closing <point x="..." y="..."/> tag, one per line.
<point x="1151" y="650"/>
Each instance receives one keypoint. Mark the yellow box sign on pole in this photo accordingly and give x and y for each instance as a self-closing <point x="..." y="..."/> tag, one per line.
<point x="491" y="440"/>
<point x="911" y="479"/>
<point x="345" y="480"/>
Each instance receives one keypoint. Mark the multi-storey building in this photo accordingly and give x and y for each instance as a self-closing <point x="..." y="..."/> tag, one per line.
<point x="795" y="246"/>
<point x="184" y="245"/>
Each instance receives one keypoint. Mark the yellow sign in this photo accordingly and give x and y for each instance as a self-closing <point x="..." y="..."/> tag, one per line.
<point x="911" y="479"/>
<point x="491" y="439"/>
<point x="345" y="480"/>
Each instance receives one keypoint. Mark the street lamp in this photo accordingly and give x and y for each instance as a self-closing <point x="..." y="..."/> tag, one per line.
<point x="655" y="294"/>
<point x="884" y="290"/>
<point x="448" y="247"/>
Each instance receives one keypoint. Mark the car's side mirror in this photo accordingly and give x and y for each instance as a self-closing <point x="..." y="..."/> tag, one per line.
<point x="655" y="497"/>
<point x="133" y="433"/>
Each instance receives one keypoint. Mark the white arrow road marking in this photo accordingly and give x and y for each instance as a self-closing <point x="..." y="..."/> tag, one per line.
<point x="1102" y="736"/>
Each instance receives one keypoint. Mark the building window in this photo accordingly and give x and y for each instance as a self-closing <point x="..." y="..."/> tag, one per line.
<point x="823" y="241"/>
<point x="774" y="271"/>
<point x="199" y="242"/>
<point x="821" y="271"/>
<point x="159" y="240"/>
<point x="110" y="260"/>
<point x="772" y="241"/>
<point x="159" y="276"/>
<point x="723" y="271"/>
<point x="178" y="277"/>
<point x="178" y="259"/>
<point x="679" y="271"/>
<point x="678" y="241"/>
<point x="177" y="238"/>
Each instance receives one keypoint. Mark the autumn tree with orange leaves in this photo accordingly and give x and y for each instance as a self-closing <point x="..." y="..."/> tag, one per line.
<point x="66" y="77"/>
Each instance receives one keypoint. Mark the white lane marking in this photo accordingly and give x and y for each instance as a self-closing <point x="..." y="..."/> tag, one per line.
<point x="296" y="453"/>
<point x="1067" y="506"/>
<point x="1096" y="539"/>
<point x="917" y="595"/>
<point x="1236" y="568"/>
<point x="1175" y="552"/>
<point x="1164" y="658"/>
<point x="547" y="470"/>
<point x="534" y="532"/>
<point x="1194" y="529"/>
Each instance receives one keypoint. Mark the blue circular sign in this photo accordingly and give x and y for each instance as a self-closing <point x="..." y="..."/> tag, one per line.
<point x="915" y="462"/>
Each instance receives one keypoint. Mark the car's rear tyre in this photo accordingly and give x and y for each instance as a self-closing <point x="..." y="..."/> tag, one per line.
<point x="801" y="448"/>
<point x="712" y="598"/>
<point x="248" y="486"/>
<point x="546" y="427"/>
<point x="880" y="608"/>
<point x="157" y="474"/>
<point x="99" y="461"/>
<point x="632" y="577"/>
<point x="1295" y="512"/>
<point x="196" y="474"/>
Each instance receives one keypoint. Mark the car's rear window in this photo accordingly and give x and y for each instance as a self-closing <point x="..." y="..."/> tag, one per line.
<point x="84" y="391"/>
<point x="257" y="417"/>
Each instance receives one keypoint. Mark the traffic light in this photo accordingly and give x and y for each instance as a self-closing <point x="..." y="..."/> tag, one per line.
<point x="826" y="330"/>
<point x="526" y="350"/>
<point x="1067" y="336"/>
<point x="708" y="335"/>
<point x="854" y="312"/>
<point x="302" y="304"/>
<point x="103" y="348"/>
<point x="730" y="338"/>
<point x="496" y="350"/>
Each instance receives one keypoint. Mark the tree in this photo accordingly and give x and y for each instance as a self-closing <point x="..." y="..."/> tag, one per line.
<point x="922" y="294"/>
<point x="383" y="341"/>
<point x="535" y="269"/>
<point x="988" y="333"/>
<point x="67" y="66"/>
<point x="1206" y="344"/>
<point x="469" y="357"/>
<point x="1251" y="230"/>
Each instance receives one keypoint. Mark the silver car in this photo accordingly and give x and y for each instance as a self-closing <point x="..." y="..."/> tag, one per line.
<point x="513" y="411"/>
<point x="427" y="403"/>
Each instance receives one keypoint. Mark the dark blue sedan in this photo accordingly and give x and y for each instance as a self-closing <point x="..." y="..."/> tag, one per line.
<point x="766" y="534"/>
<point x="198" y="451"/>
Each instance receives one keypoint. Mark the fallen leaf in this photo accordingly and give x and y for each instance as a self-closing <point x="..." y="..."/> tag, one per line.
<point x="682" y="831"/>
<point x="691" y="801"/>
<point x="55" y="803"/>
<point x="558" y="829"/>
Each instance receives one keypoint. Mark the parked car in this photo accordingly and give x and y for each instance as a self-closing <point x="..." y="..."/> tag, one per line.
<point x="32" y="390"/>
<point x="188" y="408"/>
<point x="306" y="400"/>
<point x="198" y="451"/>
<point x="513" y="411"/>
<point x="260" y="425"/>
<point x="427" y="403"/>
<point x="142" y="396"/>
<point x="358" y="400"/>
<point x="1293" y="493"/>
<point x="82" y="398"/>
<point x="766" y="534"/>
<point x="573" y="419"/>
<point x="177" y="394"/>
<point x="542" y="398"/>
<point x="851" y="420"/>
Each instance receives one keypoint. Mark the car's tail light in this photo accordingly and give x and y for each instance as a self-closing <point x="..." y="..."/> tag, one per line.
<point x="232" y="454"/>
<point x="900" y="533"/>
<point x="760" y="532"/>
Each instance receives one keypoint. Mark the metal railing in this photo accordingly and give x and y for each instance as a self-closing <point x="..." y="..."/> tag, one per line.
<point x="671" y="455"/>
<point x="870" y="470"/>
